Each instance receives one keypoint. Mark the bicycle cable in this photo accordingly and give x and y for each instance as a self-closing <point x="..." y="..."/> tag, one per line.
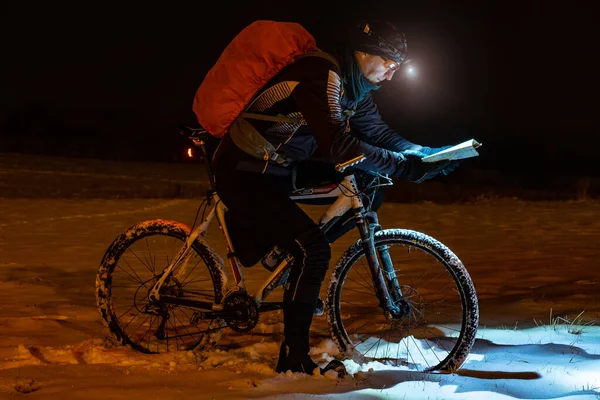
<point x="369" y="186"/>
<point x="205" y="204"/>
<point x="369" y="199"/>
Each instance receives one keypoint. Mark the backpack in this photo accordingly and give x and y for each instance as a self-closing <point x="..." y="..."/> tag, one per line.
<point x="250" y="60"/>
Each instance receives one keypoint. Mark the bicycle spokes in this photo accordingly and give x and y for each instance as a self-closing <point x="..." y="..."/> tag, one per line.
<point x="421" y="327"/>
<point x="161" y="325"/>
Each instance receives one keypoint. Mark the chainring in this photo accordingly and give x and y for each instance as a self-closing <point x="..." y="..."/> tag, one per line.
<point x="241" y="311"/>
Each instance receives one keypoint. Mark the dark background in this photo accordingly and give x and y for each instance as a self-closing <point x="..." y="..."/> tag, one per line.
<point x="114" y="82"/>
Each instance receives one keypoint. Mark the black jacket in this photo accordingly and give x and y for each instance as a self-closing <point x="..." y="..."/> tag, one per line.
<point x="312" y="89"/>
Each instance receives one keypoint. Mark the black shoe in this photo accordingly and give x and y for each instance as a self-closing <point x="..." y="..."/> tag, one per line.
<point x="293" y="355"/>
<point x="337" y="366"/>
<point x="303" y="363"/>
<point x="294" y="361"/>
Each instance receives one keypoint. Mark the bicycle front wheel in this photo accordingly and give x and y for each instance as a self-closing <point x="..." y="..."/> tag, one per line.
<point x="129" y="269"/>
<point x="436" y="312"/>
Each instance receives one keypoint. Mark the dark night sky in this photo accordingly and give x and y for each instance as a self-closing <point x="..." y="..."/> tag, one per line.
<point x="501" y="72"/>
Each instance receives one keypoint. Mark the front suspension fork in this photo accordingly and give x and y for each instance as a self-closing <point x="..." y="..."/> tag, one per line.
<point x="380" y="263"/>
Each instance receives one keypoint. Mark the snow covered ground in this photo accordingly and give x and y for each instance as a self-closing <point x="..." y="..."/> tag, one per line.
<point x="535" y="266"/>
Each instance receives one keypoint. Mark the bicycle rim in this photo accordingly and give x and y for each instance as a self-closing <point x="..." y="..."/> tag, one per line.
<point x="130" y="268"/>
<point x="437" y="327"/>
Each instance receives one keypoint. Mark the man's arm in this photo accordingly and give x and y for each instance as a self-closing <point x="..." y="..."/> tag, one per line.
<point x="368" y="123"/>
<point x="318" y="98"/>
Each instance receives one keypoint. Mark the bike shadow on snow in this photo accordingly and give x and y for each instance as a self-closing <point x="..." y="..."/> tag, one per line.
<point x="513" y="384"/>
<point x="511" y="370"/>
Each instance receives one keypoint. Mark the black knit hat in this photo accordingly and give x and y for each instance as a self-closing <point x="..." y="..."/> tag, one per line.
<point x="380" y="38"/>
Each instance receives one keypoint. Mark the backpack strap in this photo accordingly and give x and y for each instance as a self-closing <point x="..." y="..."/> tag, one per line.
<point x="273" y="118"/>
<point x="247" y="138"/>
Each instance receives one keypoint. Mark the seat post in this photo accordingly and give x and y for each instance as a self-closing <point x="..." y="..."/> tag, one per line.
<point x="199" y="136"/>
<point x="208" y="167"/>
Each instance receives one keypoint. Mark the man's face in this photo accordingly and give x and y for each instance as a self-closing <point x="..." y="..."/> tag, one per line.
<point x="376" y="68"/>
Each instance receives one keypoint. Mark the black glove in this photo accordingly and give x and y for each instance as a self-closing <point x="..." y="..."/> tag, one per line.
<point x="412" y="168"/>
<point x="427" y="151"/>
<point x="451" y="166"/>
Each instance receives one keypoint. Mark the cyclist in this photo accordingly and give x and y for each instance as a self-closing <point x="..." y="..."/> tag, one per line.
<point x="341" y="122"/>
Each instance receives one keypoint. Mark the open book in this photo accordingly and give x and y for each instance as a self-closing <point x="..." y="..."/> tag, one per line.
<point x="460" y="151"/>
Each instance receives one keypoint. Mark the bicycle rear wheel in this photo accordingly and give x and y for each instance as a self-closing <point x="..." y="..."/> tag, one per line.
<point x="438" y="326"/>
<point x="132" y="264"/>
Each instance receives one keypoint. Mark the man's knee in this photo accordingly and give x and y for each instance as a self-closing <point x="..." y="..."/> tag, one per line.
<point x="315" y="247"/>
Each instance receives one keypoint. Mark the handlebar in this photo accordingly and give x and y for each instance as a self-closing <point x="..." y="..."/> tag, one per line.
<point x="340" y="167"/>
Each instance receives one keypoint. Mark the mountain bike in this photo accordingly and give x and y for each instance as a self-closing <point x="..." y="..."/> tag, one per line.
<point x="396" y="296"/>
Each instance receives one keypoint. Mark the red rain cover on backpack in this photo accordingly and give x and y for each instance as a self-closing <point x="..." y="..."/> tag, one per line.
<point x="250" y="60"/>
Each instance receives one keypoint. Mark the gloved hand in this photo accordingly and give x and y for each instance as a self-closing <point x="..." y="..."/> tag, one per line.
<point x="427" y="151"/>
<point x="412" y="168"/>
<point x="451" y="167"/>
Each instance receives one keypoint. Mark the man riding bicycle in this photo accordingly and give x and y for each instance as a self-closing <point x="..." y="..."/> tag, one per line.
<point x="341" y="121"/>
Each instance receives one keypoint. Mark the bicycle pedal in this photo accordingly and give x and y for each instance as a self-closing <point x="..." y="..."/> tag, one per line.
<point x="319" y="308"/>
<point x="337" y="366"/>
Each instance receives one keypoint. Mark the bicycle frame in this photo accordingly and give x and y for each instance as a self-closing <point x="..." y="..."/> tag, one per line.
<point x="348" y="197"/>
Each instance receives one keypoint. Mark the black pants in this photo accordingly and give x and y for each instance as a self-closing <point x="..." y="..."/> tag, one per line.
<point x="262" y="215"/>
